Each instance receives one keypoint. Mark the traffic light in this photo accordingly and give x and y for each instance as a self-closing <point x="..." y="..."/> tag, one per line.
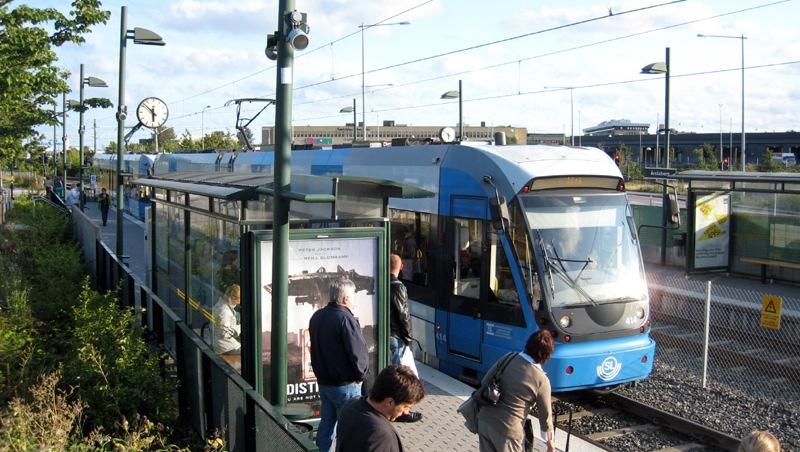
<point x="724" y="163"/>
<point x="617" y="157"/>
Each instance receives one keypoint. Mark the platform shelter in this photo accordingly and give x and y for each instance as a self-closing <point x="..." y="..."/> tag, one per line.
<point x="744" y="223"/>
<point x="209" y="237"/>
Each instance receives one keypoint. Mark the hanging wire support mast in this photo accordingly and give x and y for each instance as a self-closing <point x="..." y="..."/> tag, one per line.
<point x="241" y="125"/>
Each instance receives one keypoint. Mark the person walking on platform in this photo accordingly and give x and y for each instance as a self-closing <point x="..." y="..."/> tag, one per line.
<point x="758" y="441"/>
<point x="105" y="204"/>
<point x="399" y="324"/>
<point x="338" y="357"/>
<point x="501" y="428"/>
<point x="364" y="423"/>
<point x="226" y="327"/>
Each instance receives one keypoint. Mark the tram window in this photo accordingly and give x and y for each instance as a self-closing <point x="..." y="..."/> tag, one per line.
<point x="518" y="232"/>
<point x="410" y="238"/>
<point x="502" y="304"/>
<point x="468" y="253"/>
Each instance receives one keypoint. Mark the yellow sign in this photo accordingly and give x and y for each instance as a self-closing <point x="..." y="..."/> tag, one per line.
<point x="771" y="312"/>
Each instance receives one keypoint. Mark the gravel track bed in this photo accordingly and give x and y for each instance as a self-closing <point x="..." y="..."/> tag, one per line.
<point x="643" y="441"/>
<point x="736" y="400"/>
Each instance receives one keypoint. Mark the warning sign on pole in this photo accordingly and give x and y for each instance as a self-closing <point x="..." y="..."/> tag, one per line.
<point x="771" y="312"/>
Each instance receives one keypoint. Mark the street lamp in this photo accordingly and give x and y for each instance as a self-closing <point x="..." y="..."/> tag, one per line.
<point x="203" y="127"/>
<point x="742" y="38"/>
<point x="351" y="110"/>
<point x="139" y="36"/>
<point x="721" y="161"/>
<point x="663" y="68"/>
<point x="571" y="111"/>
<point x="93" y="82"/>
<point x="453" y="95"/>
<point x="363" y="84"/>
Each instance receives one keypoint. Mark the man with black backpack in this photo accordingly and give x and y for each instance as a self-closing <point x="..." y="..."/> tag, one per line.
<point x="399" y="324"/>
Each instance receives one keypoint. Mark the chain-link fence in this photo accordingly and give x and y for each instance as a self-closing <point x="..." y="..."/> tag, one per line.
<point x="732" y="340"/>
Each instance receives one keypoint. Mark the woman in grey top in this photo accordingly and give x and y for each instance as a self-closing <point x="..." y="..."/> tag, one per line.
<point x="522" y="383"/>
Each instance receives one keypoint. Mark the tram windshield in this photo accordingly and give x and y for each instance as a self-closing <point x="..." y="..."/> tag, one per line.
<point x="588" y="244"/>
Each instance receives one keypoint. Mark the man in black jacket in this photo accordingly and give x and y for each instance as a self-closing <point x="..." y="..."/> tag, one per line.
<point x="364" y="423"/>
<point x="338" y="357"/>
<point x="399" y="324"/>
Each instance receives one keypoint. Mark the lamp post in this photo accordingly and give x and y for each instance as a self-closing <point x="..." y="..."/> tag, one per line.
<point x="453" y="95"/>
<point x="663" y="68"/>
<point x="363" y="84"/>
<point x="139" y="36"/>
<point x="742" y="38"/>
<point x="571" y="111"/>
<point x="203" y="127"/>
<point x="351" y="110"/>
<point x="94" y="82"/>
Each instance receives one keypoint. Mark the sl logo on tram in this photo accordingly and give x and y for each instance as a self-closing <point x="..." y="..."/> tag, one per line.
<point x="609" y="369"/>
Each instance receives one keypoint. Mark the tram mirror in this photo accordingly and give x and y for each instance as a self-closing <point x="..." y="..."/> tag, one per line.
<point x="499" y="210"/>
<point x="674" y="209"/>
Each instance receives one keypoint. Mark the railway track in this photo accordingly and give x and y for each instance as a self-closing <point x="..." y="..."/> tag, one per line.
<point x="618" y="423"/>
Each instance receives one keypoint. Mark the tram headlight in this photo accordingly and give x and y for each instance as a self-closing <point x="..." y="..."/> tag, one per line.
<point x="565" y="321"/>
<point x="640" y="313"/>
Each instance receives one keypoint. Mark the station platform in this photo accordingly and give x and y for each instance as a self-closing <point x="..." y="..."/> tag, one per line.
<point x="441" y="428"/>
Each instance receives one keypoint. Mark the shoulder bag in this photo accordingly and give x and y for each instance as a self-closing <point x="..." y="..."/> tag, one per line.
<point x="489" y="393"/>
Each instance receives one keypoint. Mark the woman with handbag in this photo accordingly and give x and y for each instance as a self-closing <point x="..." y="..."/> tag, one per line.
<point x="522" y="382"/>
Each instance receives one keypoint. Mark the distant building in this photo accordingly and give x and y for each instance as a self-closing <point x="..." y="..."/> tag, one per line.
<point x="388" y="130"/>
<point x="547" y="138"/>
<point x="618" y="127"/>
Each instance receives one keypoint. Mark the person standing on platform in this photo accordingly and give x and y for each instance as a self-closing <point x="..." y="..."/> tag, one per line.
<point x="105" y="204"/>
<point x="399" y="323"/>
<point x="364" y="423"/>
<point x="338" y="357"/>
<point x="227" y="327"/>
<point x="73" y="196"/>
<point x="501" y="428"/>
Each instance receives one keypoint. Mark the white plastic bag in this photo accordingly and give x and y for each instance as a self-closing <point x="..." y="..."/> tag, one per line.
<point x="407" y="359"/>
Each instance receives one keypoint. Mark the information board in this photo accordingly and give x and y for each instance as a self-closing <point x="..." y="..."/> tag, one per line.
<point x="712" y="214"/>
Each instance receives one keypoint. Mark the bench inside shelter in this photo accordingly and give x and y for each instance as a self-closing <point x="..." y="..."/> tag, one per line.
<point x="764" y="263"/>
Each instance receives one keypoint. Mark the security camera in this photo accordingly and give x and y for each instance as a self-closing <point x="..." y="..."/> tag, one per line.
<point x="271" y="53"/>
<point x="122" y="114"/>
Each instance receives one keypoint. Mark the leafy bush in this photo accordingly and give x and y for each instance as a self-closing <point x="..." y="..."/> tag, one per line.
<point x="17" y="343"/>
<point x="112" y="366"/>
<point x="47" y="422"/>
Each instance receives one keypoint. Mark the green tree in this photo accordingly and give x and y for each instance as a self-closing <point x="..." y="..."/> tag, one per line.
<point x="706" y="157"/>
<point x="186" y="143"/>
<point x="167" y="140"/>
<point x="219" y="140"/>
<point x="768" y="164"/>
<point x="241" y="138"/>
<point x="30" y="81"/>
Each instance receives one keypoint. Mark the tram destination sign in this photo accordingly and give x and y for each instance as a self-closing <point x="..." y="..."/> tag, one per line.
<point x="659" y="173"/>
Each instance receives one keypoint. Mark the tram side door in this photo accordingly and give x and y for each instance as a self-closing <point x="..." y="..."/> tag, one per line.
<point x="466" y="248"/>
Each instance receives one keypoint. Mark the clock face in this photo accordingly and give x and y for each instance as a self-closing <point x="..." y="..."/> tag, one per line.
<point x="152" y="112"/>
<point x="447" y="134"/>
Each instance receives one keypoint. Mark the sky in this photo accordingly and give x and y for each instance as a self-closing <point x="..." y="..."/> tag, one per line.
<point x="215" y="53"/>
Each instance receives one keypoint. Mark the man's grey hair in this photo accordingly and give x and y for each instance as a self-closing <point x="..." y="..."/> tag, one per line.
<point x="340" y="288"/>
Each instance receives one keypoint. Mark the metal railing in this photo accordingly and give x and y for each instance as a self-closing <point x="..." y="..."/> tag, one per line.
<point x="722" y="335"/>
<point x="212" y="397"/>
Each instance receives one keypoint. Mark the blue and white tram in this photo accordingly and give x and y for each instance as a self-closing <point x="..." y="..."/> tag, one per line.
<point x="515" y="239"/>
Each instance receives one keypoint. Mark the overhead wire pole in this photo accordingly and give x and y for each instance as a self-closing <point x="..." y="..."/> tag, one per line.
<point x="64" y="142"/>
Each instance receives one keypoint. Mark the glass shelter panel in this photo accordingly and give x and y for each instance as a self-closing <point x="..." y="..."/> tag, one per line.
<point x="469" y="255"/>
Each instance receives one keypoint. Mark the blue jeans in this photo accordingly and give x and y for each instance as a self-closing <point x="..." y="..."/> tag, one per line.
<point x="333" y="398"/>
<point x="396" y="348"/>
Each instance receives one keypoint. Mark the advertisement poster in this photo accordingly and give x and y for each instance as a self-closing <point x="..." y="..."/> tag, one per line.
<point x="313" y="265"/>
<point x="712" y="230"/>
